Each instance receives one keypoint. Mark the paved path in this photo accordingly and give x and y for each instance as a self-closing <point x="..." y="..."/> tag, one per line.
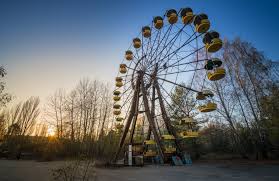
<point x="11" y="170"/>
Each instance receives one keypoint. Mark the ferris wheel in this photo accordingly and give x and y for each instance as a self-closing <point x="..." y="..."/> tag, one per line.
<point x="173" y="49"/>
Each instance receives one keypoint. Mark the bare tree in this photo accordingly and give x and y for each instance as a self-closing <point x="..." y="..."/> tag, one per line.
<point x="56" y="105"/>
<point x="4" y="97"/>
<point x="23" y="116"/>
<point x="70" y="108"/>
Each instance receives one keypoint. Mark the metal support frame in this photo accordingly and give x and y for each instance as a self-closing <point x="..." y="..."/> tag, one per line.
<point x="166" y="119"/>
<point x="151" y="120"/>
<point x="140" y="88"/>
<point x="135" y="118"/>
<point x="152" y="111"/>
<point x="130" y="118"/>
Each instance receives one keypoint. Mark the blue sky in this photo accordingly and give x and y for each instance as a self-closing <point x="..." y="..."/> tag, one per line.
<point x="50" y="44"/>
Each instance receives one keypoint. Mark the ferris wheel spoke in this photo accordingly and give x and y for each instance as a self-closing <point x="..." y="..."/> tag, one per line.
<point x="138" y="58"/>
<point x="174" y="83"/>
<point x="179" y="56"/>
<point x="129" y="88"/>
<point x="160" y="61"/>
<point x="145" y="53"/>
<point x="171" y="98"/>
<point x="172" y="45"/>
<point x="125" y="76"/>
<point x="165" y="34"/>
<point x="163" y="45"/>
<point x="193" y="77"/>
<point x="153" y="45"/>
<point x="203" y="83"/>
<point x="126" y="115"/>
<point x="182" y="71"/>
<point x="181" y="59"/>
<point x="118" y="88"/>
<point x="127" y="101"/>
<point x="179" y="48"/>
<point x="188" y="41"/>
<point x="169" y="58"/>
<point x="176" y="77"/>
<point x="186" y="63"/>
<point x="171" y="42"/>
<point x="183" y="31"/>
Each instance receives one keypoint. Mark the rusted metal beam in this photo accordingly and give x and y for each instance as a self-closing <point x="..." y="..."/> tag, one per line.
<point x="166" y="119"/>
<point x="152" y="111"/>
<point x="130" y="118"/>
<point x="151" y="120"/>
<point x="133" y="129"/>
<point x="135" y="116"/>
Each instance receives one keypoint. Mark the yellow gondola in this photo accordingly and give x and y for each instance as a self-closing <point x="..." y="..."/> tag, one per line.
<point x="201" y="22"/>
<point x="189" y="134"/>
<point x="146" y="32"/>
<point x="212" y="41"/>
<point x="169" y="144"/>
<point x="200" y="96"/>
<point x="137" y="42"/>
<point x="190" y="128"/>
<point x="118" y="84"/>
<point x="187" y="15"/>
<point x="217" y="74"/>
<point x="116" y="98"/>
<point x="207" y="93"/>
<point x="186" y="120"/>
<point x="119" y="119"/>
<point x="129" y="55"/>
<point x="119" y="126"/>
<point x="116" y="92"/>
<point x="150" y="149"/>
<point x="210" y="106"/>
<point x="217" y="62"/>
<point x="211" y="63"/>
<point x="158" y="22"/>
<point x="123" y="68"/>
<point x="116" y="112"/>
<point x="168" y="137"/>
<point x="172" y="16"/>
<point x="118" y="79"/>
<point x="116" y="106"/>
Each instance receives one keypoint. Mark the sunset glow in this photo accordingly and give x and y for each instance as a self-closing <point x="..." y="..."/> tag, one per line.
<point x="50" y="132"/>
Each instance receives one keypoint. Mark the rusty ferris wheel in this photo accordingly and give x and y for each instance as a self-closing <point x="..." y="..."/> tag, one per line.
<point x="174" y="48"/>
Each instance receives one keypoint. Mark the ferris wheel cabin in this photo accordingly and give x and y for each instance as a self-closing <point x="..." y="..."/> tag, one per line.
<point x="146" y="32"/>
<point x="136" y="43"/>
<point x="187" y="15"/>
<point x="172" y="16"/>
<point x="158" y="22"/>
<point x="201" y="22"/>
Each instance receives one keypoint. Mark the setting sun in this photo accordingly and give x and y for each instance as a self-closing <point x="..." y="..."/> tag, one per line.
<point x="50" y="132"/>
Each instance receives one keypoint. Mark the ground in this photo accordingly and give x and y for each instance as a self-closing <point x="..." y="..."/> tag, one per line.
<point x="12" y="170"/>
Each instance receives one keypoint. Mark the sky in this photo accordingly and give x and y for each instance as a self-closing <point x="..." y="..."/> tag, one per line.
<point x="51" y="44"/>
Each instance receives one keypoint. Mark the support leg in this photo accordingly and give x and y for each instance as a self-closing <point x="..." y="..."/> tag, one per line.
<point x="130" y="118"/>
<point x="166" y="119"/>
<point x="151" y="120"/>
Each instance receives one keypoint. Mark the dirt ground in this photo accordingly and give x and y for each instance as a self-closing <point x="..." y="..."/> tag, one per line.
<point x="12" y="170"/>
